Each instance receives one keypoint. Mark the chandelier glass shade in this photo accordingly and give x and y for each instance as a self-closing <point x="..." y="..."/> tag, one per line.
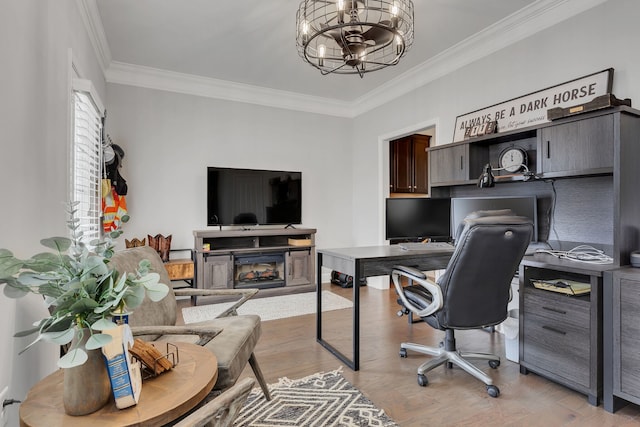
<point x="354" y="36"/>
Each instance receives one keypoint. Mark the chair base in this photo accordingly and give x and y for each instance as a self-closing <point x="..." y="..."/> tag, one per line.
<point x="456" y="357"/>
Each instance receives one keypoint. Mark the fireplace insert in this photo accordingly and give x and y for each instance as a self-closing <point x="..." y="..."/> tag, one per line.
<point x="258" y="271"/>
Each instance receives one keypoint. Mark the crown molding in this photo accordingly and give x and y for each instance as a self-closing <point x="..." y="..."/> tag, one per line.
<point x="153" y="78"/>
<point x="531" y="19"/>
<point x="90" y="15"/>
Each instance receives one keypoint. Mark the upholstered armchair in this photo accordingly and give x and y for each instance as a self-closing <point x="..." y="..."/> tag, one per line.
<point x="473" y="292"/>
<point x="230" y="337"/>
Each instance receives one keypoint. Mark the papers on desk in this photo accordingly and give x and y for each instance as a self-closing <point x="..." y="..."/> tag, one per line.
<point x="563" y="286"/>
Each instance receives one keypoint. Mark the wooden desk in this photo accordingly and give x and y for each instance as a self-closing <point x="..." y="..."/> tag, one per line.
<point x="163" y="398"/>
<point x="370" y="261"/>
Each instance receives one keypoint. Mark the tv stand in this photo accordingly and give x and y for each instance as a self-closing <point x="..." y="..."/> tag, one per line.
<point x="276" y="261"/>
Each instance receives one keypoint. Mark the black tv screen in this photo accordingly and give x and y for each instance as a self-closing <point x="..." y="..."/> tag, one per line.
<point x="524" y="206"/>
<point x="418" y="218"/>
<point x="253" y="197"/>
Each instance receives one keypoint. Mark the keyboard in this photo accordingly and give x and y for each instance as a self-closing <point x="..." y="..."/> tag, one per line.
<point x="416" y="246"/>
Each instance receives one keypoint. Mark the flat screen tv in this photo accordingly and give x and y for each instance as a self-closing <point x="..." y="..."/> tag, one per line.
<point x="417" y="218"/>
<point x="463" y="206"/>
<point x="253" y="197"/>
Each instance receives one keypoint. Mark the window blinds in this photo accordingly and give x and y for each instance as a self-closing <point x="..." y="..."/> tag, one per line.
<point x="87" y="161"/>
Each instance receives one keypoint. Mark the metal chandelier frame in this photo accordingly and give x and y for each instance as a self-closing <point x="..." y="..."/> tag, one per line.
<point x="354" y="36"/>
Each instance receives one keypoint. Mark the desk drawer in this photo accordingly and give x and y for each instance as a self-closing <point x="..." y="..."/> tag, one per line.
<point x="559" y="348"/>
<point x="558" y="308"/>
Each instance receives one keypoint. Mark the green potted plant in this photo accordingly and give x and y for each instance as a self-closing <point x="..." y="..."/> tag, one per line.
<point x="80" y="290"/>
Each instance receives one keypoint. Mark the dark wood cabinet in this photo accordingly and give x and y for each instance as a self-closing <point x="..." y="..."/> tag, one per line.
<point x="577" y="148"/>
<point x="622" y="338"/>
<point x="409" y="165"/>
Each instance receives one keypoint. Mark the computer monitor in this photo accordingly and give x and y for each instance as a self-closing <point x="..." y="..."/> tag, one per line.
<point x="418" y="218"/>
<point x="523" y="206"/>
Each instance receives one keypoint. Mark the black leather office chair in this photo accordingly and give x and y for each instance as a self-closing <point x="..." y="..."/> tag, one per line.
<point x="472" y="293"/>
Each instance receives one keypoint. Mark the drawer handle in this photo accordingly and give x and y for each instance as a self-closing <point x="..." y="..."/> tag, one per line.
<point x="548" y="149"/>
<point x="555" y="310"/>
<point x="557" y="331"/>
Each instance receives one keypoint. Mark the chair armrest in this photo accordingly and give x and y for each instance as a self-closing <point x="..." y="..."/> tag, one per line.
<point x="421" y="279"/>
<point x="245" y="294"/>
<point x="205" y="333"/>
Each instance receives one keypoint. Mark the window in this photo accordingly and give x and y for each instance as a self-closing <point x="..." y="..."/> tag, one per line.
<point x="86" y="162"/>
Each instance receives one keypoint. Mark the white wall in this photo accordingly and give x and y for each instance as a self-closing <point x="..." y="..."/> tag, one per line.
<point x="169" y="140"/>
<point x="36" y="35"/>
<point x="585" y="44"/>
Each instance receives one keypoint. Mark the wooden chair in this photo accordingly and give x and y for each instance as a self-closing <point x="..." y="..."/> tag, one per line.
<point x="222" y="410"/>
<point x="230" y="337"/>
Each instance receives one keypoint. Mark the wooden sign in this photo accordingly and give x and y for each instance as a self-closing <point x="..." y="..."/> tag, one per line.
<point x="531" y="109"/>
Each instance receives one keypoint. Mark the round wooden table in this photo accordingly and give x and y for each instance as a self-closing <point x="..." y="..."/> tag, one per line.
<point x="162" y="399"/>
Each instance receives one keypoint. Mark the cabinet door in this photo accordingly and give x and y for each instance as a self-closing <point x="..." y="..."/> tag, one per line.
<point x="218" y="272"/>
<point x="626" y="351"/>
<point x="298" y="264"/>
<point x="401" y="169"/>
<point x="420" y="163"/>
<point x="580" y="147"/>
<point x="449" y="164"/>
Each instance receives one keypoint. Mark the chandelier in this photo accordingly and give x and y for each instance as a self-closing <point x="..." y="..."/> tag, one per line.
<point x="353" y="36"/>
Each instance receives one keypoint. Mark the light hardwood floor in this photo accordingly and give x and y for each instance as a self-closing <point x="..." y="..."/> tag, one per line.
<point x="288" y="348"/>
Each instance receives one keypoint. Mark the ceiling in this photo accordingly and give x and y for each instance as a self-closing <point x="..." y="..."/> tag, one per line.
<point x="231" y="44"/>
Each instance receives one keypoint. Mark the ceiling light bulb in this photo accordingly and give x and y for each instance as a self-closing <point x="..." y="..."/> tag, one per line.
<point x="340" y="7"/>
<point x="399" y="43"/>
<point x="321" y="52"/>
<point x="394" y="9"/>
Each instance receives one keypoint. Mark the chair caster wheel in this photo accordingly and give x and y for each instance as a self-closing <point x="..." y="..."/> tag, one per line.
<point x="403" y="352"/>
<point x="449" y="365"/>
<point x="493" y="391"/>
<point x="422" y="380"/>
<point x="494" y="364"/>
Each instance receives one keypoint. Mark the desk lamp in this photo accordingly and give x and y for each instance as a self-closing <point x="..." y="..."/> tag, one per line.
<point x="487" y="179"/>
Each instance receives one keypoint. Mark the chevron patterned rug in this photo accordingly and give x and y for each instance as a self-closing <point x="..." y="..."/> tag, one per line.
<point x="319" y="400"/>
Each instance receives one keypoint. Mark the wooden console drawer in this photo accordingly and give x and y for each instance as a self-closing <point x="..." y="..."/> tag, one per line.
<point x="562" y="348"/>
